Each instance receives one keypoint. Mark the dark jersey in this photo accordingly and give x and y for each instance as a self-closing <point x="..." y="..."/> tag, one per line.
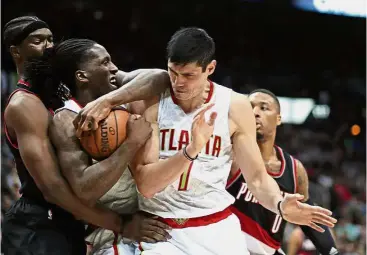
<point x="263" y="228"/>
<point x="29" y="189"/>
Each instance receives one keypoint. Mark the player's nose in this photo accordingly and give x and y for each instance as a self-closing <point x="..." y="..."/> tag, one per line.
<point x="113" y="68"/>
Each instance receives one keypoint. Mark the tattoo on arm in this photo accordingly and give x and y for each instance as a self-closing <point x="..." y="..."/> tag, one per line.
<point x="302" y="180"/>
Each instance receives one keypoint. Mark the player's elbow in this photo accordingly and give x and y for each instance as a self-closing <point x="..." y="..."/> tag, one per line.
<point x="145" y="187"/>
<point x="161" y="76"/>
<point x="145" y="190"/>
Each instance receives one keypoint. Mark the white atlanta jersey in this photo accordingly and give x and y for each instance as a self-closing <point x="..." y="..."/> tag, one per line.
<point x="121" y="198"/>
<point x="201" y="189"/>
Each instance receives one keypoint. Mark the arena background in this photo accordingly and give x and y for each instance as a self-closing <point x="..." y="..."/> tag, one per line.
<point x="315" y="59"/>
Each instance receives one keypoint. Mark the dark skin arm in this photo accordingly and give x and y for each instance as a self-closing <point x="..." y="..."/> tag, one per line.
<point x="322" y="241"/>
<point x="302" y="181"/>
<point x="91" y="181"/>
<point x="28" y="121"/>
<point x="141" y="84"/>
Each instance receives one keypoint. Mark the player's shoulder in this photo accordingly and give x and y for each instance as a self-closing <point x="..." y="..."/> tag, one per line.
<point x="300" y="169"/>
<point x="24" y="104"/>
<point x="63" y="117"/>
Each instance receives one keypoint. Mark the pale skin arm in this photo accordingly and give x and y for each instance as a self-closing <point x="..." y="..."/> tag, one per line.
<point x="151" y="174"/>
<point x="28" y="118"/>
<point x="248" y="156"/>
<point x="88" y="181"/>
<point x="262" y="185"/>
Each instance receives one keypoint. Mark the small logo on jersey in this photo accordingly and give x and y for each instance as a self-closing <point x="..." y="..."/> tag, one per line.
<point x="180" y="221"/>
<point x="333" y="251"/>
<point x="50" y="214"/>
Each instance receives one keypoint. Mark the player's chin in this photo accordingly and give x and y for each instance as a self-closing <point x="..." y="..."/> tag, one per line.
<point x="112" y="86"/>
<point x="259" y="135"/>
<point x="182" y="96"/>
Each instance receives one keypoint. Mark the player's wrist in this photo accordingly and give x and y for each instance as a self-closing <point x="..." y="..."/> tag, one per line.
<point x="124" y="221"/>
<point x="191" y="151"/>
<point x="280" y="210"/>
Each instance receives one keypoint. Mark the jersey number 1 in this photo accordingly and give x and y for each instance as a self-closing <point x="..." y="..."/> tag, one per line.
<point x="184" y="179"/>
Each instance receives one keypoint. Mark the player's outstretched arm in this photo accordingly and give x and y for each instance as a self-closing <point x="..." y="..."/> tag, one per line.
<point x="91" y="181"/>
<point x="263" y="186"/>
<point x="141" y="84"/>
<point x="153" y="175"/>
<point x="27" y="116"/>
<point x="324" y="241"/>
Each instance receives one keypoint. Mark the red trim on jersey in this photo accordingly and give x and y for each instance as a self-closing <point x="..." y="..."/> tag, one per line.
<point x="233" y="178"/>
<point x="23" y="82"/>
<point x="210" y="94"/>
<point x="140" y="247"/>
<point x="253" y="228"/>
<point x="282" y="166"/>
<point x="15" y="143"/>
<point x="294" y="164"/>
<point x="198" y="221"/>
<point x="76" y="102"/>
<point x="115" y="249"/>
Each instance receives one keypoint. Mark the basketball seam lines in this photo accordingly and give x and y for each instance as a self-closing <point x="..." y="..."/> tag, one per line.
<point x="116" y="131"/>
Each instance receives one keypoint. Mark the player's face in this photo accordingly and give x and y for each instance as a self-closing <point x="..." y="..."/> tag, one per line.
<point x="266" y="114"/>
<point x="99" y="71"/>
<point x="189" y="80"/>
<point x="35" y="44"/>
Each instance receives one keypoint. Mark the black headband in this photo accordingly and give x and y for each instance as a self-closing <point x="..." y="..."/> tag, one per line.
<point x="24" y="32"/>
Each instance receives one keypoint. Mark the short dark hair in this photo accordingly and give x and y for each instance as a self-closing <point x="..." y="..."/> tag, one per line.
<point x="14" y="27"/>
<point x="57" y="66"/>
<point x="268" y="92"/>
<point x="189" y="45"/>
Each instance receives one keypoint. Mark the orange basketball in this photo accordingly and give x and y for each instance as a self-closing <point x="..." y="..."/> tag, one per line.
<point x="111" y="133"/>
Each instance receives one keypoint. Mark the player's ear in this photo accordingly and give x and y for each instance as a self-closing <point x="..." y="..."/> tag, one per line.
<point x="14" y="52"/>
<point x="81" y="76"/>
<point x="211" y="67"/>
<point x="279" y="120"/>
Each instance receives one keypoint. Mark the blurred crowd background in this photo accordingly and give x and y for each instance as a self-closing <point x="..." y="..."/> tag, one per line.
<point x="260" y="44"/>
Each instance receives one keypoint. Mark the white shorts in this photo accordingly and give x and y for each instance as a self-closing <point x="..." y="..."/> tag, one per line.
<point x="257" y="247"/>
<point x="118" y="249"/>
<point x="221" y="238"/>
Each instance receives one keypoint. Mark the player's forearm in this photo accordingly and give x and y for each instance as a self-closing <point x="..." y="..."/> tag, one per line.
<point x="324" y="242"/>
<point x="99" y="178"/>
<point x="261" y="185"/>
<point x="155" y="177"/>
<point x="266" y="191"/>
<point x="57" y="191"/>
<point x="63" y="196"/>
<point x="145" y="85"/>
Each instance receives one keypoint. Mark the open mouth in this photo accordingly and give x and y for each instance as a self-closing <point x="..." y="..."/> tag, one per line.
<point x="113" y="81"/>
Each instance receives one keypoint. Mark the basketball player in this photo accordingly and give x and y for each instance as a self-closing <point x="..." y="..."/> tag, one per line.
<point x="181" y="172"/>
<point x="262" y="228"/>
<point x="88" y="75"/>
<point x="42" y="220"/>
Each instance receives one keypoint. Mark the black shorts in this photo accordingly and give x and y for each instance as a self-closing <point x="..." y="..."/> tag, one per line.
<point x="36" y="230"/>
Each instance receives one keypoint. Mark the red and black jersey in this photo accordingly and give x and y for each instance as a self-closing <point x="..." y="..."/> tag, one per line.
<point x="28" y="188"/>
<point x="258" y="222"/>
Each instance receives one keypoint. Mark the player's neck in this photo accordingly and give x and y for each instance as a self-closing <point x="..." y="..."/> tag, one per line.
<point x="83" y="97"/>
<point x="20" y="71"/>
<point x="267" y="148"/>
<point x="196" y="102"/>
